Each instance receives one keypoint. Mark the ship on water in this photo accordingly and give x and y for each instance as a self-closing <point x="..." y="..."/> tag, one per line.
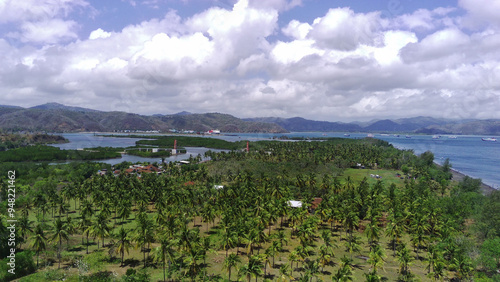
<point x="490" y="139"/>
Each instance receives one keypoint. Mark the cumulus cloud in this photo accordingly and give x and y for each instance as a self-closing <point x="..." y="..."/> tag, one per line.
<point x="480" y="13"/>
<point x="242" y="60"/>
<point x="99" y="33"/>
<point x="342" y="29"/>
<point x="41" y="22"/>
<point x="35" y="10"/>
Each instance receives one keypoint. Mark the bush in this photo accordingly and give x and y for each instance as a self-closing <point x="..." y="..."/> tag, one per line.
<point x="24" y="266"/>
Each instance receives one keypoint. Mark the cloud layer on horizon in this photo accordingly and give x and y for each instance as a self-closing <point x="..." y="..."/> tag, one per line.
<point x="239" y="60"/>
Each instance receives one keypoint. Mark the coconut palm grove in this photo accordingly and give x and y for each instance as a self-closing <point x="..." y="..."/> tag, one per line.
<point x="310" y="210"/>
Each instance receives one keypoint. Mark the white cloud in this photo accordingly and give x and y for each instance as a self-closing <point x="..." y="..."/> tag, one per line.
<point x="49" y="31"/>
<point x="342" y="66"/>
<point x="481" y="13"/>
<point x="443" y="43"/>
<point x="37" y="10"/>
<point x="296" y="29"/>
<point x="292" y="52"/>
<point x="41" y="22"/>
<point x="342" y="29"/>
<point x="99" y="33"/>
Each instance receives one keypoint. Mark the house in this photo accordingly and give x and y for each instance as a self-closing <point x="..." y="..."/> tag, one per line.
<point x="294" y="204"/>
<point x="315" y="203"/>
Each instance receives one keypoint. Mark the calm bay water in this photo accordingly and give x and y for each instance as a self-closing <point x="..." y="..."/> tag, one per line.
<point x="89" y="140"/>
<point x="468" y="154"/>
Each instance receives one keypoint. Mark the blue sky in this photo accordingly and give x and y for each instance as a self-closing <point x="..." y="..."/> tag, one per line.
<point x="335" y="60"/>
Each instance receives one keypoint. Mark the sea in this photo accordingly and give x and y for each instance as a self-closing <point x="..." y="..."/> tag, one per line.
<point x="468" y="154"/>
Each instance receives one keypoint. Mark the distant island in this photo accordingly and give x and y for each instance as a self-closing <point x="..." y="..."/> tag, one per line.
<point x="55" y="117"/>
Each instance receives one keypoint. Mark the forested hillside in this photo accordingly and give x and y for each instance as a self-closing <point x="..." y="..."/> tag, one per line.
<point x="55" y="117"/>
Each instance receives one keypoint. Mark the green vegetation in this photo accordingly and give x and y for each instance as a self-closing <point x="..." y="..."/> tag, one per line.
<point x="413" y="223"/>
<point x="49" y="153"/>
<point x="149" y="154"/>
<point x="186" y="141"/>
<point x="12" y="141"/>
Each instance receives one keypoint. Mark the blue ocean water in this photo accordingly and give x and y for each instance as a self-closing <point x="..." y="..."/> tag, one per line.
<point x="468" y="154"/>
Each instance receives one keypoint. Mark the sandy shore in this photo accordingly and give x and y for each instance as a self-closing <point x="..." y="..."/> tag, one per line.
<point x="458" y="176"/>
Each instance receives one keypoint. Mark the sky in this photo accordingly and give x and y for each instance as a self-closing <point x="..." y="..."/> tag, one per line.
<point x="335" y="60"/>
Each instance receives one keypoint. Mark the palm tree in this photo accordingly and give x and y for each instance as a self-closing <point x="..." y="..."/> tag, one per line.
<point x="462" y="265"/>
<point x="312" y="268"/>
<point x="100" y="227"/>
<point x="273" y="250"/>
<point x="191" y="260"/>
<point x="165" y="251"/>
<point x="231" y="261"/>
<point x="254" y="267"/>
<point x="24" y="227"/>
<point x="84" y="226"/>
<point x="144" y="233"/>
<point x="372" y="276"/>
<point x="353" y="245"/>
<point x="376" y="257"/>
<point x="419" y="229"/>
<point x="124" y="210"/>
<point x="404" y="259"/>
<point x="87" y="209"/>
<point x="60" y="233"/>
<point x="281" y="237"/>
<point x="372" y="232"/>
<point x="435" y="263"/>
<point x="264" y="258"/>
<point x="251" y="238"/>
<point x="38" y="241"/>
<point x="325" y="255"/>
<point x="285" y="273"/>
<point x="302" y="253"/>
<point x="123" y="243"/>
<point x="394" y="231"/>
<point x="344" y="273"/>
<point x="293" y="257"/>
<point x="70" y="227"/>
<point x="245" y="271"/>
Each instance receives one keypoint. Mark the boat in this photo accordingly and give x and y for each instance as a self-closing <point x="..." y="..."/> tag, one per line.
<point x="408" y="136"/>
<point x="452" y="137"/>
<point x="347" y="135"/>
<point x="436" y="137"/>
<point x="490" y="139"/>
<point x="370" y="135"/>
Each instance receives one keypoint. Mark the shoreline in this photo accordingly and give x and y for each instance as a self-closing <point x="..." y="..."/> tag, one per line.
<point x="458" y="176"/>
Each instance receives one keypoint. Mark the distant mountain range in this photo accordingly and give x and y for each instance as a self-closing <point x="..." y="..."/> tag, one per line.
<point x="54" y="117"/>
<point x="425" y="125"/>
